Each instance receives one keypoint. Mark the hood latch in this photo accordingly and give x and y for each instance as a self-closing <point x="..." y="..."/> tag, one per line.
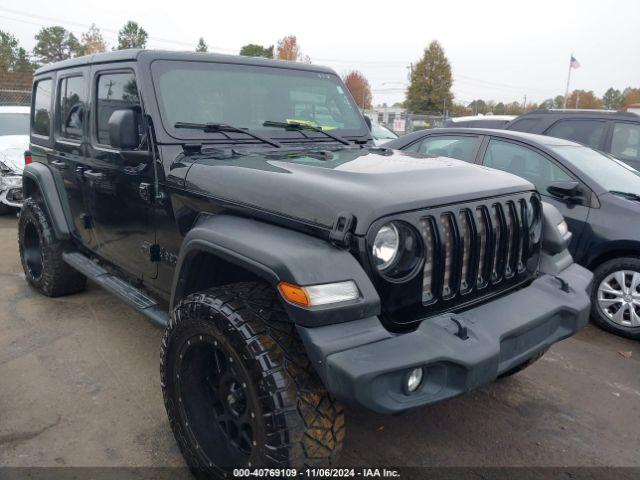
<point x="340" y="234"/>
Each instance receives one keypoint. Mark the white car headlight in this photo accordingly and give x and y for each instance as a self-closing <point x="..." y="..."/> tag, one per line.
<point x="12" y="181"/>
<point x="386" y="246"/>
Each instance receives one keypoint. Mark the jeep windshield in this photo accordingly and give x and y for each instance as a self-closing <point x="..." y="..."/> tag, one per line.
<point x="247" y="96"/>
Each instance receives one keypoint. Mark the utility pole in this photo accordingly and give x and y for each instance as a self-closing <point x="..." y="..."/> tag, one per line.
<point x="524" y="104"/>
<point x="577" y="99"/>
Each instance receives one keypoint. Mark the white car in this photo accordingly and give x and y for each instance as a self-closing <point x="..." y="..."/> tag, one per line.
<point x="381" y="134"/>
<point x="14" y="140"/>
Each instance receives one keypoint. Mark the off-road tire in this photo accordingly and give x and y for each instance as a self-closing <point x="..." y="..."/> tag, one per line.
<point x="524" y="365"/>
<point x="599" y="274"/>
<point x="297" y="423"/>
<point x="41" y="254"/>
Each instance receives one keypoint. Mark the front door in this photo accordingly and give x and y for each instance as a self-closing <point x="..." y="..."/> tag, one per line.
<point x="542" y="171"/>
<point x="121" y="219"/>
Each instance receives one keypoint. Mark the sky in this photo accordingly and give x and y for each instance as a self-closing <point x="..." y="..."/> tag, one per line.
<point x="498" y="50"/>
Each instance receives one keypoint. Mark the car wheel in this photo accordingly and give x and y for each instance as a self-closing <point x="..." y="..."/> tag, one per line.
<point x="615" y="300"/>
<point x="238" y="387"/>
<point x="41" y="254"/>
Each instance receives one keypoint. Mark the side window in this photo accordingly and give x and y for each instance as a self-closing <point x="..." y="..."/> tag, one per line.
<point x="41" y="113"/>
<point x="625" y="143"/>
<point x="587" y="132"/>
<point x="526" y="125"/>
<point x="454" y="146"/>
<point x="525" y="163"/>
<point x="116" y="91"/>
<point x="71" y="104"/>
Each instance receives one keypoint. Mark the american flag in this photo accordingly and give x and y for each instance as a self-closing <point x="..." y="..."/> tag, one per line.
<point x="574" y="63"/>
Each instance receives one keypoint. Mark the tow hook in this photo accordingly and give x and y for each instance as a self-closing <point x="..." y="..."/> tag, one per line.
<point x="462" y="330"/>
<point x="564" y="286"/>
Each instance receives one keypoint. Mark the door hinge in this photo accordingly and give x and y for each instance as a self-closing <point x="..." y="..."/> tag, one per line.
<point x="340" y="234"/>
<point x="154" y="252"/>
<point x="87" y="222"/>
<point x="145" y="191"/>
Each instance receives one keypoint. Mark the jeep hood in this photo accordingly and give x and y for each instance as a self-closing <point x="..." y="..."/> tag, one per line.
<point x="368" y="183"/>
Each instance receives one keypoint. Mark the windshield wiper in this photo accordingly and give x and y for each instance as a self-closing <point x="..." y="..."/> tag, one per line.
<point x="628" y="195"/>
<point x="210" y="127"/>
<point x="304" y="126"/>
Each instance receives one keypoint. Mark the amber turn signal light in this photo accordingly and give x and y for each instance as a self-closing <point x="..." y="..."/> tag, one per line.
<point x="294" y="294"/>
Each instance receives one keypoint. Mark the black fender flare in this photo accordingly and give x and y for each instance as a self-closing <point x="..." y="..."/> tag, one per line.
<point x="55" y="203"/>
<point x="278" y="254"/>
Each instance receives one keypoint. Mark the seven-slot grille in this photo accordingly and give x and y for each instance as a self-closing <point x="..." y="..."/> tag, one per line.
<point x="474" y="248"/>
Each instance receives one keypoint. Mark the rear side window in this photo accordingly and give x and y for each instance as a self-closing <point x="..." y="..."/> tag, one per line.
<point x="41" y="114"/>
<point x="71" y="107"/>
<point x="529" y="125"/>
<point x="625" y="143"/>
<point x="454" y="146"/>
<point x="525" y="163"/>
<point x="587" y="132"/>
<point x="116" y="91"/>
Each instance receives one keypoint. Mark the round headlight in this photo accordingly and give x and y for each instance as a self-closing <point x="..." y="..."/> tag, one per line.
<point x="386" y="246"/>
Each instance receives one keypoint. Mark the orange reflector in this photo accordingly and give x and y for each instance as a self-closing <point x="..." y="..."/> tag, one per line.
<point x="294" y="294"/>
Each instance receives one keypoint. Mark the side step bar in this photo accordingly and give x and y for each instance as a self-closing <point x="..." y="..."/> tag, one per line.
<point x="121" y="289"/>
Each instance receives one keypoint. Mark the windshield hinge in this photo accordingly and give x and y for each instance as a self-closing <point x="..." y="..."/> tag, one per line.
<point x="340" y="234"/>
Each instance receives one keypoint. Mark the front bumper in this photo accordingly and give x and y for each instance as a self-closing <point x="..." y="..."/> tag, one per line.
<point x="362" y="362"/>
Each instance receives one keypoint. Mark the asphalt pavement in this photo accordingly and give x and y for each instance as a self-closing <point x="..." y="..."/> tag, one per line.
<point x="80" y="386"/>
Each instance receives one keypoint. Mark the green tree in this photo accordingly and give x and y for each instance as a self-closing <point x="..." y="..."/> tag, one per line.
<point x="431" y="81"/>
<point x="548" y="103"/>
<point x="499" y="109"/>
<point x="8" y="51"/>
<point x="255" y="50"/>
<point x="479" y="107"/>
<point x="54" y="44"/>
<point x="92" y="41"/>
<point x="132" y="35"/>
<point x="558" y="101"/>
<point x="23" y="64"/>
<point x="202" y="46"/>
<point x="612" y="99"/>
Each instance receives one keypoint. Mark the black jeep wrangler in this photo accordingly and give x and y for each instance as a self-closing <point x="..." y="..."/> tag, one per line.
<point x="240" y="204"/>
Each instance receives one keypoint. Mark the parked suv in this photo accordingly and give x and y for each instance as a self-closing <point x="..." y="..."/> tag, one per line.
<point x="240" y="204"/>
<point x="616" y="133"/>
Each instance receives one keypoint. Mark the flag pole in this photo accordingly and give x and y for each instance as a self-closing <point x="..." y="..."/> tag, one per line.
<point x="566" y="92"/>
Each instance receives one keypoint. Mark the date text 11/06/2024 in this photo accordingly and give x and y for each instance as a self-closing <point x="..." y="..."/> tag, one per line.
<point x="316" y="473"/>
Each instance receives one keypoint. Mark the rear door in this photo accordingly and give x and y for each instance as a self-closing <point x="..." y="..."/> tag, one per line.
<point x="541" y="170"/>
<point x="69" y="157"/>
<point x="122" y="221"/>
<point x="591" y="133"/>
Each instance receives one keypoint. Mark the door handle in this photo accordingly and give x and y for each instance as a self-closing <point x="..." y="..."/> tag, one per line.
<point x="59" y="164"/>
<point x="91" y="175"/>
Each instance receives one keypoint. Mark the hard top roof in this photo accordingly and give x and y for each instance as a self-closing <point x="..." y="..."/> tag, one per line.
<point x="150" y="55"/>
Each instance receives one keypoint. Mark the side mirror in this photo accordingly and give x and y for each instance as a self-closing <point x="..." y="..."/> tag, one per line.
<point x="367" y="120"/>
<point x="565" y="190"/>
<point x="123" y="129"/>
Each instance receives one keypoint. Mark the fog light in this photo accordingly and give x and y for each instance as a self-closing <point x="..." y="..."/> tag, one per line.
<point x="414" y="379"/>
